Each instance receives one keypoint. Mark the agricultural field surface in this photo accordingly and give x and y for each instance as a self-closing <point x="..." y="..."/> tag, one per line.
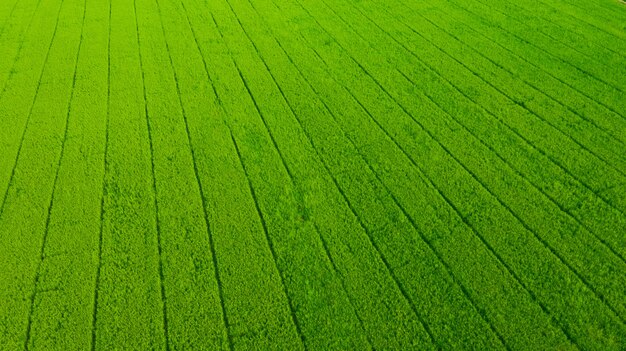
<point x="312" y="175"/>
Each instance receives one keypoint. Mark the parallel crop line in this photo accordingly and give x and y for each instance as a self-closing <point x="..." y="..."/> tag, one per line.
<point x="213" y="252"/>
<point x="280" y="90"/>
<point x="568" y="107"/>
<point x="415" y="226"/>
<point x="54" y="184"/>
<point x="206" y="67"/>
<point x="271" y="75"/>
<point x="369" y="236"/>
<point x="104" y="174"/>
<point x="585" y="94"/>
<point x="567" y="212"/>
<point x="431" y="183"/>
<point x="362" y="225"/>
<point x="195" y="168"/>
<point x="584" y="281"/>
<point x="598" y="7"/>
<point x="410" y="217"/>
<point x="256" y="105"/>
<point x="567" y="136"/>
<point x="251" y="188"/>
<point x="321" y="238"/>
<point x="403" y="291"/>
<point x="556" y="39"/>
<point x="10" y="15"/>
<point x="332" y="262"/>
<point x="560" y="40"/>
<point x="578" y="30"/>
<point x="19" y="50"/>
<point x="584" y="147"/>
<point x="545" y="244"/>
<point x="582" y="70"/>
<point x="542" y="69"/>
<point x="269" y="242"/>
<point x="578" y="19"/>
<point x="156" y="205"/>
<point x="30" y="112"/>
<point x="440" y="193"/>
<point x="551" y="158"/>
<point x="542" y="241"/>
<point x="405" y="295"/>
<point x="282" y="158"/>
<point x="490" y="147"/>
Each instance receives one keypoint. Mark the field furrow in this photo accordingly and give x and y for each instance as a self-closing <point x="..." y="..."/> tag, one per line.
<point x="129" y="305"/>
<point x="73" y="231"/>
<point x="312" y="175"/>
<point x="499" y="213"/>
<point x="25" y="216"/>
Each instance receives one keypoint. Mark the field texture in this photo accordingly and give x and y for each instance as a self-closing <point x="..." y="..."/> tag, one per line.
<point x="312" y="174"/>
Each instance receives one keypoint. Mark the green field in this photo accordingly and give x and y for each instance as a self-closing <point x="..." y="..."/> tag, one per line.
<point x="312" y="175"/>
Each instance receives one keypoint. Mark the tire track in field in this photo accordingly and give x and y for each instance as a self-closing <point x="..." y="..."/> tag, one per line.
<point x="378" y="251"/>
<point x="30" y="112"/>
<point x="54" y="186"/>
<point x="415" y="226"/>
<point x="130" y="306"/>
<point x="354" y="212"/>
<point x="195" y="166"/>
<point x="603" y="241"/>
<point x="213" y="252"/>
<point x="572" y="25"/>
<point x="599" y="9"/>
<point x="253" y="193"/>
<point x="321" y="238"/>
<point x="404" y="211"/>
<point x="154" y="189"/>
<point x="550" y="198"/>
<point x="41" y="148"/>
<point x="376" y="247"/>
<point x="250" y="49"/>
<point x="615" y="84"/>
<point x="105" y="168"/>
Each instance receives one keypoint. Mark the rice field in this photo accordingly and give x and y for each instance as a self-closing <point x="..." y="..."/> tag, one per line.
<point x="312" y="175"/>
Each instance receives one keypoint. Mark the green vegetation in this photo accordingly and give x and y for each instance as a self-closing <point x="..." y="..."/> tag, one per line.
<point x="312" y="175"/>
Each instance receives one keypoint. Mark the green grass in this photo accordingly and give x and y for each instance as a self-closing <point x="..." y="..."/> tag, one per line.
<point x="312" y="175"/>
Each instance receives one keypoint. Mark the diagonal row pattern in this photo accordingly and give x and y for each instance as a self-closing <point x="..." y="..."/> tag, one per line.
<point x="312" y="174"/>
